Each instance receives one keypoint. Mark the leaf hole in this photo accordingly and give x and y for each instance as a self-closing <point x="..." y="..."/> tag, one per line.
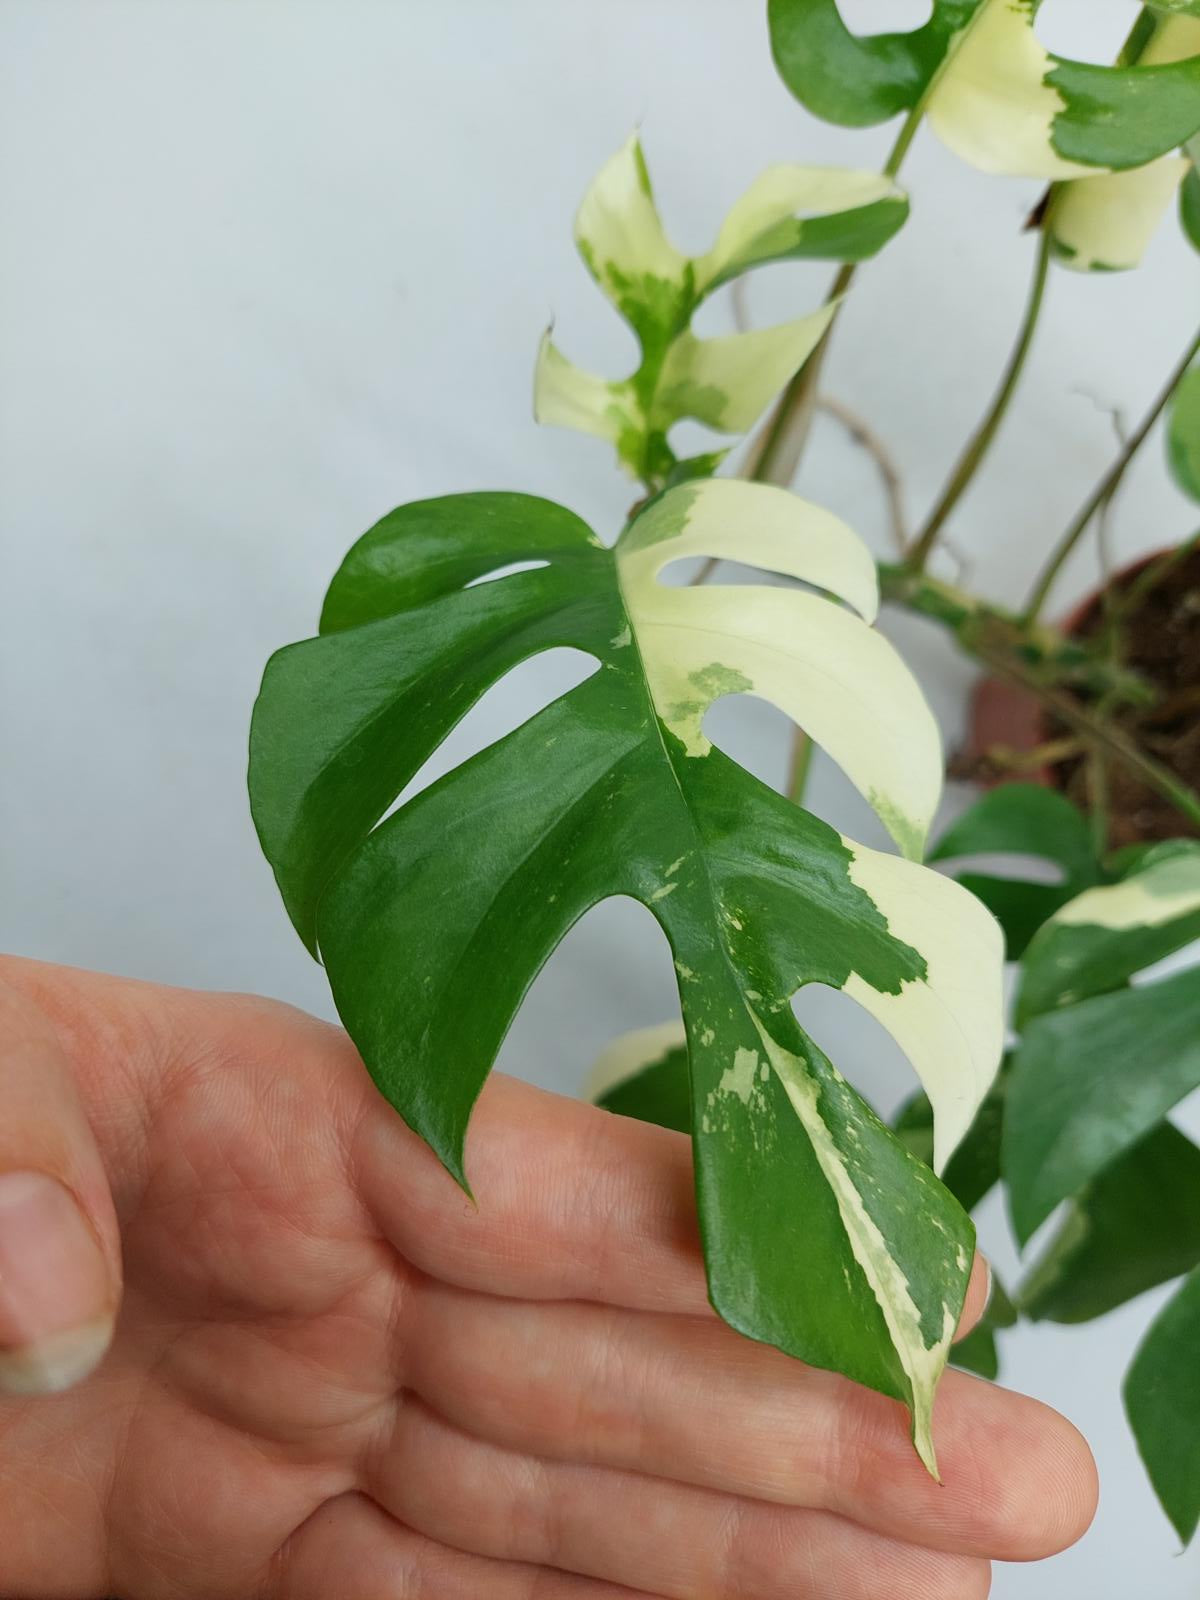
<point x="613" y="972"/>
<point x="885" y="16"/>
<point x="852" y="1038"/>
<point x="506" y="572"/>
<point x="519" y="695"/>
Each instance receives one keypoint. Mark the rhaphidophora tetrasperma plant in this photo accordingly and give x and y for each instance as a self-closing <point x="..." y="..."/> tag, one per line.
<point x="825" y="1232"/>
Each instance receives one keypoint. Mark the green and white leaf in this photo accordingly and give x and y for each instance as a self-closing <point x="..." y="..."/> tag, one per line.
<point x="1131" y="1228"/>
<point x="1089" y="1081"/>
<point x="1105" y="224"/>
<point x="822" y="1234"/>
<point x="991" y="90"/>
<point x="1183" y="433"/>
<point x="789" y="213"/>
<point x="1096" y="942"/>
<point x="1162" y="1401"/>
<point x="1008" y="105"/>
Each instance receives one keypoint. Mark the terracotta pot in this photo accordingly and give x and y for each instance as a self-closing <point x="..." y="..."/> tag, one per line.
<point x="1002" y="713"/>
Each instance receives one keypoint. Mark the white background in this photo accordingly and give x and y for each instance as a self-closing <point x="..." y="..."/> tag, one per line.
<point x="268" y="269"/>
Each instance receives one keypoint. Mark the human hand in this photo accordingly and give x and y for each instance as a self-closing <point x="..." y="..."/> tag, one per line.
<point x="334" y="1379"/>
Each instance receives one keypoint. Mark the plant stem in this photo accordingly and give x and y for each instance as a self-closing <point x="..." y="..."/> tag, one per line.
<point x="777" y="451"/>
<point x="1104" y="489"/>
<point x="980" y="441"/>
<point x="799" y="764"/>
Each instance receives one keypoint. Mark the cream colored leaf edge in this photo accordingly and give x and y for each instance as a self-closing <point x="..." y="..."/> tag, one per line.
<point x="1163" y="892"/>
<point x="631" y="1053"/>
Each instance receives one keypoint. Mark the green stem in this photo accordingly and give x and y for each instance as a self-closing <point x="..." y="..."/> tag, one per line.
<point x="777" y="453"/>
<point x="1104" y="489"/>
<point x="799" y="765"/>
<point x="980" y="441"/>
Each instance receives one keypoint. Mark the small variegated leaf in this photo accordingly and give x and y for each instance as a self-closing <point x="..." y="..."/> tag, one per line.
<point x="1096" y="942"/>
<point x="1106" y="223"/>
<point x="789" y="213"/>
<point x="1183" y="433"/>
<point x="1089" y="1081"/>
<point x="822" y="1234"/>
<point x="1162" y="1401"/>
<point x="793" y="213"/>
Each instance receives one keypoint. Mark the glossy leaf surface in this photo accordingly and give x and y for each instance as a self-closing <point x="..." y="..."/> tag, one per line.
<point x="822" y="1233"/>
<point x="1162" y="1399"/>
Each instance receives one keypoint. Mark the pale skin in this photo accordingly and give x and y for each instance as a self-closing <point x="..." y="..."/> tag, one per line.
<point x="332" y="1378"/>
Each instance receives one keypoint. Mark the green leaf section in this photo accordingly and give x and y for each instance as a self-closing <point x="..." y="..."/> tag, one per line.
<point x="1022" y="819"/>
<point x="790" y="213"/>
<point x="1189" y="206"/>
<point x="1089" y="1081"/>
<point x="658" y="1092"/>
<point x="974" y="1169"/>
<point x="854" y="79"/>
<point x="1131" y="1228"/>
<point x="1183" y="433"/>
<point x="822" y="1234"/>
<point x="1162" y="1400"/>
<point x="1122" y="117"/>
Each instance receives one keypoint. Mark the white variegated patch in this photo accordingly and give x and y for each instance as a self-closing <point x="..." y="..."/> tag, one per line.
<point x="1106" y="223"/>
<point x="950" y="1024"/>
<point x="922" y="1362"/>
<point x="618" y="229"/>
<point x="778" y="195"/>
<point x="991" y="104"/>
<point x="1164" y="891"/>
<point x="630" y="1054"/>
<point x="564" y="396"/>
<point x="727" y="382"/>
<point x="760" y="525"/>
<point x="844" y="684"/>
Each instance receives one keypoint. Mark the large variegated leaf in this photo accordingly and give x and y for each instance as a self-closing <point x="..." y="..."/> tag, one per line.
<point x="990" y="89"/>
<point x="789" y="213"/>
<point x="822" y="1234"/>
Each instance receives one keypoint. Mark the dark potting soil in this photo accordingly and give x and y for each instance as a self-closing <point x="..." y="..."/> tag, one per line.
<point x="1160" y="640"/>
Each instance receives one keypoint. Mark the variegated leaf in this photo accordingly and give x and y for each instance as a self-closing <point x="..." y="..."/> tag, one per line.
<point x="991" y="90"/>
<point x="822" y="1234"/>
<point x="1105" y="224"/>
<point x="790" y="213"/>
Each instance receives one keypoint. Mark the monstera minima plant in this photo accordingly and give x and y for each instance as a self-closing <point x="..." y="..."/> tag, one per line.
<point x="822" y="1233"/>
<point x="825" y="1232"/>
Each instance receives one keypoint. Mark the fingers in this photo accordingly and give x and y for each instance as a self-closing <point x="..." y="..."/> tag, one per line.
<point x="573" y="1203"/>
<point x="687" y="1399"/>
<point x="979" y="1292"/>
<point x="350" y="1547"/>
<point x="59" y="1249"/>
<point x="655" y="1535"/>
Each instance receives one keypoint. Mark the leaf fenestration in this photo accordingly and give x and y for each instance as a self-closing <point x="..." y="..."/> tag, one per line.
<point x="822" y="1234"/>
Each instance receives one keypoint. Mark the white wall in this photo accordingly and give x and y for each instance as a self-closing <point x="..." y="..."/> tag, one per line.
<point x="268" y="269"/>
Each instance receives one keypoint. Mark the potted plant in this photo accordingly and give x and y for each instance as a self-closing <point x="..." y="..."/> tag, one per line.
<point x="615" y="788"/>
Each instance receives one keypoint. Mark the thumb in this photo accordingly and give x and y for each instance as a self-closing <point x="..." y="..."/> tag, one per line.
<point x="60" y="1269"/>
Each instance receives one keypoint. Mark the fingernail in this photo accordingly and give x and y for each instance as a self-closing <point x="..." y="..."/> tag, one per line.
<point x="55" y="1288"/>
